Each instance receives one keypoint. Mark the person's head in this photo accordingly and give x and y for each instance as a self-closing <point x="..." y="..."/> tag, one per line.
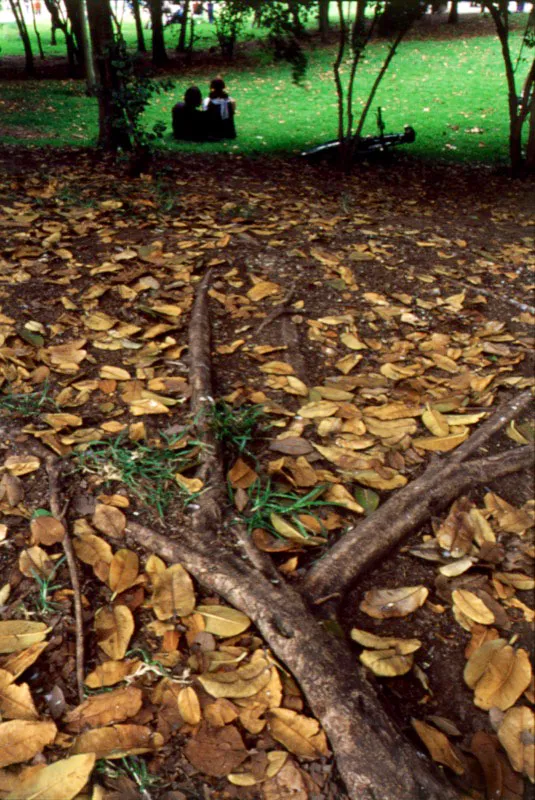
<point x="217" y="88"/>
<point x="193" y="97"/>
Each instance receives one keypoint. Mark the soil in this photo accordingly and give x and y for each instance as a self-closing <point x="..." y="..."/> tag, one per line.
<point x="407" y="234"/>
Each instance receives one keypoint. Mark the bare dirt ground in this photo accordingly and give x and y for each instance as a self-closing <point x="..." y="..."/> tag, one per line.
<point x="331" y="295"/>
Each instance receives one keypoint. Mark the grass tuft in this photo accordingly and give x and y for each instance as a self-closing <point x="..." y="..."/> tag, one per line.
<point x="236" y="427"/>
<point x="27" y="404"/>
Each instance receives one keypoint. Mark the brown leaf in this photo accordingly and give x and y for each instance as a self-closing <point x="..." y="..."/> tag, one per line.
<point x="18" y="634"/>
<point x="173" y="593"/>
<point x="498" y="674"/>
<point x="114" y="627"/>
<point x="223" y="620"/>
<point x="101" y="709"/>
<point x="110" y="521"/>
<point x="288" y="782"/>
<point x="124" y="568"/>
<point x="16" y="702"/>
<point x="472" y="607"/>
<point x="189" y="706"/>
<point x="46" y="530"/>
<point x="64" y="778"/>
<point x="241" y="476"/>
<point x="117" y="741"/>
<point x="299" y="734"/>
<point x="242" y="682"/>
<point x="517" y="736"/>
<point x="216" y="752"/>
<point x="386" y="603"/>
<point x="21" y="465"/>
<point x="111" y="672"/>
<point x="91" y="549"/>
<point x="439" y="746"/>
<point x="21" y="740"/>
<point x="387" y="663"/>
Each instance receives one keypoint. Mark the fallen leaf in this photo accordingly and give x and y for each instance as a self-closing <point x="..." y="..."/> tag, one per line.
<point x="223" y="621"/>
<point x="441" y="444"/>
<point x="439" y="746"/>
<point x="189" y="706"/>
<point x="64" y="778"/>
<point x="109" y="520"/>
<point x="517" y="736"/>
<point x="21" y="465"/>
<point x="216" y="752"/>
<point x="102" y="709"/>
<point x="472" y="607"/>
<point x="242" y="682"/>
<point x="172" y="593"/>
<point x="114" y="628"/>
<point x="110" y="672"/>
<point x="299" y="734"/>
<point x="117" y="741"/>
<point x="498" y="674"/>
<point x="46" y="530"/>
<point x="386" y="663"/>
<point x="18" y="634"/>
<point x="386" y="603"/>
<point x="21" y="740"/>
<point x="16" y="702"/>
<point x="124" y="569"/>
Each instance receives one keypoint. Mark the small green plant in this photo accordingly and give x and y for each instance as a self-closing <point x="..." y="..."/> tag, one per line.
<point x="132" y="767"/>
<point x="27" y="404"/>
<point x="44" y="587"/>
<point x="236" y="427"/>
<point x="149" y="664"/>
<point x="147" y="469"/>
<point x="265" y="500"/>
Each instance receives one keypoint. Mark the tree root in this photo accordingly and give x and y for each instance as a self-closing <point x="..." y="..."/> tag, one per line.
<point x="53" y="469"/>
<point x="372" y="756"/>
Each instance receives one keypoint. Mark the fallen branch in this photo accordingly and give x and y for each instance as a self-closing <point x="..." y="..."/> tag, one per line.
<point x="278" y="311"/>
<point x="442" y="482"/>
<point x="53" y="469"/>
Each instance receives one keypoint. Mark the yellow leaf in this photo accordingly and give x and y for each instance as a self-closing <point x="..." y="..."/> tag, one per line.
<point x="114" y="627"/>
<point x="190" y="485"/>
<point x="276" y="368"/>
<point x="173" y="593"/>
<point x="401" y="646"/>
<point x="368" y="477"/>
<point x="263" y="289"/>
<point x="21" y="465"/>
<point x="435" y="422"/>
<point x="101" y="709"/>
<point x="189" y="706"/>
<point x="352" y="341"/>
<point x="299" y="734"/>
<point x="516" y="735"/>
<point x="439" y="746"/>
<point x="473" y="607"/>
<point x="498" y="674"/>
<point x="118" y="741"/>
<point x="64" y="778"/>
<point x="148" y="405"/>
<point x="16" y="702"/>
<point x="223" y="620"/>
<point x="386" y="603"/>
<point x="441" y="444"/>
<point x="22" y="739"/>
<point x="386" y="663"/>
<point x="90" y="549"/>
<point x="245" y="681"/>
<point x="339" y="494"/>
<point x="124" y="568"/>
<point x="347" y="363"/>
<point x="109" y="520"/>
<point x="108" y="372"/>
<point x="321" y="408"/>
<point x="111" y="672"/>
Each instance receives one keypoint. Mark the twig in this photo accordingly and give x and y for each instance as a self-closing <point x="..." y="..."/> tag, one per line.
<point x="492" y="295"/>
<point x="53" y="469"/>
<point x="277" y="312"/>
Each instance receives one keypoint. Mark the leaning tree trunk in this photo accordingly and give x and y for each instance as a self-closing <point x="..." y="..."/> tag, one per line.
<point x="29" y="64"/>
<point x="141" y="47"/>
<point x="75" y="15"/>
<point x="159" y="55"/>
<point x="453" y="18"/>
<point x="112" y="132"/>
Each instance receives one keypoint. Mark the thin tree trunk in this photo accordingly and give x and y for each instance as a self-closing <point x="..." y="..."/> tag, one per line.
<point x="181" y="44"/>
<point x="37" y="34"/>
<point x="453" y="18"/>
<point x="159" y="55"/>
<point x="379" y="78"/>
<point x="141" y="46"/>
<point x="29" y="65"/>
<point x="323" y="19"/>
<point x="74" y="13"/>
<point x="90" y="77"/>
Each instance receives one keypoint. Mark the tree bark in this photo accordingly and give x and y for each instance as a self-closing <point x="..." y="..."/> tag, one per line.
<point x="159" y="55"/>
<point x="181" y="44"/>
<point x="29" y="64"/>
<point x="141" y="47"/>
<point x="453" y="17"/>
<point x="323" y="19"/>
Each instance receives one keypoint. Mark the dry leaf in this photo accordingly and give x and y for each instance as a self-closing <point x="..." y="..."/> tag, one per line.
<point x="288" y="783"/>
<point x="386" y="603"/>
<point x="21" y="465"/>
<point x="111" y="672"/>
<point x="64" y="778"/>
<point x="517" y="736"/>
<point x="299" y="734"/>
<point x="46" y="530"/>
<point x="439" y="746"/>
<point x="16" y="701"/>
<point x="173" y="593"/>
<point x="117" y="741"/>
<point x="21" y="740"/>
<point x="435" y="422"/>
<point x="387" y="663"/>
<point x="242" y="682"/>
<point x="402" y="646"/>
<point x="441" y="444"/>
<point x="101" y="709"/>
<point x="18" y="634"/>
<point x="188" y="705"/>
<point x="472" y="607"/>
<point x="216" y="752"/>
<point x="223" y="621"/>
<point x="114" y="628"/>
<point x="498" y="674"/>
<point x="124" y="569"/>
<point x="91" y="549"/>
<point x="110" y="521"/>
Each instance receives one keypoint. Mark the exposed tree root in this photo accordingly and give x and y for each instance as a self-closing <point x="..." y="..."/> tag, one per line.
<point x="54" y="470"/>
<point x="441" y="483"/>
<point x="373" y="758"/>
<point x="277" y="312"/>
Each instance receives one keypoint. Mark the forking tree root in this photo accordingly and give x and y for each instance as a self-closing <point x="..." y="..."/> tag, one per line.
<point x="372" y="756"/>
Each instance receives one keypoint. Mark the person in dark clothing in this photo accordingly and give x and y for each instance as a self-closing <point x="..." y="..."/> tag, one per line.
<point x="188" y="119"/>
<point x="219" y="109"/>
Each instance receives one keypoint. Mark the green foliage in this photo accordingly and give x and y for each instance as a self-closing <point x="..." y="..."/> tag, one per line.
<point x="266" y="499"/>
<point x="132" y="767"/>
<point x="27" y="404"/>
<point x="147" y="469"/>
<point x="236" y="427"/>
<point x="42" y="601"/>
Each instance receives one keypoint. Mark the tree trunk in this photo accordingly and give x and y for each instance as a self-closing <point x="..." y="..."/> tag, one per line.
<point x="59" y="23"/>
<point x="323" y="17"/>
<point x="159" y="55"/>
<point x="181" y="44"/>
<point x="141" y="46"/>
<point x="29" y="65"/>
<point x="87" y="51"/>
<point x="530" y="150"/>
<point x="37" y="34"/>
<point x="453" y="18"/>
<point x="74" y="13"/>
<point x="112" y="134"/>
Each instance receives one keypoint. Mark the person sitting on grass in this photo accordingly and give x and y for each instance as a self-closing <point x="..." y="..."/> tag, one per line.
<point x="219" y="109"/>
<point x="188" y="119"/>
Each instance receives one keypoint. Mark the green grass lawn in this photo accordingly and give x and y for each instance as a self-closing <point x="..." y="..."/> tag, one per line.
<point x="452" y="91"/>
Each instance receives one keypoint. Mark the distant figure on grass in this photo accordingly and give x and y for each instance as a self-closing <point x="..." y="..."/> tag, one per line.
<point x="188" y="119"/>
<point x="219" y="109"/>
<point x="210" y="12"/>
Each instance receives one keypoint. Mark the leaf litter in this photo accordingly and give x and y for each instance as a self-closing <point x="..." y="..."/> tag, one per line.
<point x="404" y="368"/>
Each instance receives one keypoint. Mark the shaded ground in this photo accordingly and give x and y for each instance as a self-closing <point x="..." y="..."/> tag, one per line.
<point x="423" y="275"/>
